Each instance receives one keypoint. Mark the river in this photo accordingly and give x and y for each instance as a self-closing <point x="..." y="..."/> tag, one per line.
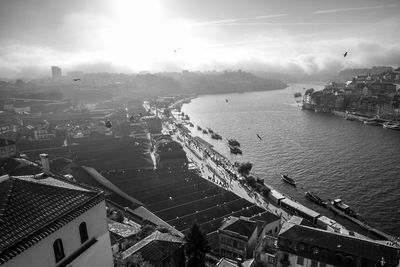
<point x="328" y="155"/>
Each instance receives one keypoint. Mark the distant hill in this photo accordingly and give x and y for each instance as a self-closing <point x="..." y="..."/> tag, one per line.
<point x="348" y="74"/>
<point x="223" y="82"/>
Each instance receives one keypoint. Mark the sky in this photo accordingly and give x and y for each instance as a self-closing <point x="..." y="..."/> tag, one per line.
<point x="293" y="37"/>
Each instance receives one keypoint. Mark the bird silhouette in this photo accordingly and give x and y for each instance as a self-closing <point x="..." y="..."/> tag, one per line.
<point x="75" y="80"/>
<point x="345" y="54"/>
<point x="259" y="137"/>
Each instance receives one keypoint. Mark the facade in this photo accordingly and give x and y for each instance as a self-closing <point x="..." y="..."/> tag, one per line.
<point x="8" y="149"/>
<point x="238" y="237"/>
<point x="56" y="72"/>
<point x="49" y="221"/>
<point x="301" y="245"/>
<point x="266" y="251"/>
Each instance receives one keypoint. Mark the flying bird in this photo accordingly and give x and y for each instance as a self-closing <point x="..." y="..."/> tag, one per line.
<point x="345" y="54"/>
<point x="226" y="100"/>
<point x="259" y="137"/>
<point x="75" y="80"/>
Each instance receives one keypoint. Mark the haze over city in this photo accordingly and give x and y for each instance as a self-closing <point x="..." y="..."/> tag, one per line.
<point x="307" y="38"/>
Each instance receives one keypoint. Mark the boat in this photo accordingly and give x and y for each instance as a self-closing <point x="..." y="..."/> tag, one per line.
<point x="216" y="136"/>
<point x="205" y="131"/>
<point x="298" y="94"/>
<point x="392" y="125"/>
<point x="374" y="122"/>
<point x="349" y="118"/>
<point x="191" y="124"/>
<point x="288" y="180"/>
<point x="339" y="207"/>
<point x="199" y="128"/>
<point x="316" y="199"/>
<point x="235" y="150"/>
<point x="233" y="142"/>
<point x="210" y="131"/>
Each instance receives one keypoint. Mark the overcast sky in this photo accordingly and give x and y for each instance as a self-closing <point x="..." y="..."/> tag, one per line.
<point x="170" y="35"/>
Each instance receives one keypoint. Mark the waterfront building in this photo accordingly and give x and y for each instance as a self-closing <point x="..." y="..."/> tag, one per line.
<point x="46" y="220"/>
<point x="8" y="149"/>
<point x="238" y="237"/>
<point x="303" y="245"/>
<point x="56" y="72"/>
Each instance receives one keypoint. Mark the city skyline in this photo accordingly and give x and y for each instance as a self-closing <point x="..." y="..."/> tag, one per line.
<point x="125" y="36"/>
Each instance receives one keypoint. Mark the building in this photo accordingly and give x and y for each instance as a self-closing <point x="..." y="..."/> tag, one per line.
<point x="153" y="123"/>
<point x="46" y="220"/>
<point x="169" y="154"/>
<point x="303" y="245"/>
<point x="56" y="72"/>
<point x="266" y="251"/>
<point x="238" y="237"/>
<point x="159" y="249"/>
<point x="8" y="149"/>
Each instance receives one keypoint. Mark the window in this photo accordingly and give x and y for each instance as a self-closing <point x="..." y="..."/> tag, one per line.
<point x="58" y="250"/>
<point x="83" y="232"/>
<point x="271" y="260"/>
<point x="300" y="260"/>
<point x="314" y="263"/>
<point x="276" y="229"/>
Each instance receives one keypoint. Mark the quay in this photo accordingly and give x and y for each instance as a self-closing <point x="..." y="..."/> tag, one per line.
<point x="217" y="168"/>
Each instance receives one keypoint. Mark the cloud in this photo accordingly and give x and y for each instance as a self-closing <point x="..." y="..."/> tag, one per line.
<point x="225" y="21"/>
<point x="352" y="9"/>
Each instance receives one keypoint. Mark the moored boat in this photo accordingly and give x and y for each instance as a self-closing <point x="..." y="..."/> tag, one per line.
<point x="339" y="207"/>
<point x="316" y="199"/>
<point x="210" y="130"/>
<point x="288" y="180"/>
<point x="205" y="131"/>
<point x="216" y="136"/>
<point x="235" y="150"/>
<point x="199" y="128"/>
<point x="392" y="125"/>
<point x="298" y="94"/>
<point x="233" y="142"/>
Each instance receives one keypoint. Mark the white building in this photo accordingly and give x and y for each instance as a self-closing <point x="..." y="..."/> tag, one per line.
<point x="49" y="221"/>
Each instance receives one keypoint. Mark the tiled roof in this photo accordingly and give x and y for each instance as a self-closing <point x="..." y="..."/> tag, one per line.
<point x="266" y="217"/>
<point x="123" y="230"/>
<point x="155" y="247"/>
<point x="242" y="226"/>
<point x="34" y="207"/>
<point x="345" y="244"/>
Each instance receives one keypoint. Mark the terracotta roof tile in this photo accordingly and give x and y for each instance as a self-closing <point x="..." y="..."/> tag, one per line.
<point x="34" y="208"/>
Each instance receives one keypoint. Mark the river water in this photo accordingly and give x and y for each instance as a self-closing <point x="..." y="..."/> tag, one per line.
<point x="328" y="155"/>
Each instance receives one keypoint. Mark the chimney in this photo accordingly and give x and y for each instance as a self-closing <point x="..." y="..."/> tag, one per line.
<point x="44" y="158"/>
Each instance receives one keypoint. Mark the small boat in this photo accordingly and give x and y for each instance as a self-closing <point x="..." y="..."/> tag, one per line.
<point x="205" y="131"/>
<point x="349" y="118"/>
<point x="374" y="122"/>
<point x="298" y="94"/>
<point x="226" y="100"/>
<point x="316" y="199"/>
<point x="288" y="180"/>
<point x="199" y="128"/>
<point x="210" y="131"/>
<point x="339" y="207"/>
<point x="216" y="136"/>
<point x="235" y="150"/>
<point x="392" y="126"/>
<point x="191" y="124"/>
<point x="233" y="142"/>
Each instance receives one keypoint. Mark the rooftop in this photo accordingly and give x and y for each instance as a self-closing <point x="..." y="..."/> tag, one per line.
<point x="242" y="226"/>
<point x="33" y="207"/>
<point x="345" y="244"/>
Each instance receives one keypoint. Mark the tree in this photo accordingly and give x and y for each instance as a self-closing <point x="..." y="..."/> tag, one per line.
<point x="245" y="168"/>
<point x="196" y="247"/>
<point x="137" y="261"/>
